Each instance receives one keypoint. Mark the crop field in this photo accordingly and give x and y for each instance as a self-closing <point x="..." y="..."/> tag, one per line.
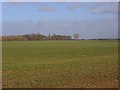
<point x="60" y="64"/>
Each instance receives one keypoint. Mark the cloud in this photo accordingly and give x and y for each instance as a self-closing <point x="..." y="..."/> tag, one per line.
<point x="99" y="28"/>
<point x="40" y="6"/>
<point x="47" y="8"/>
<point x="106" y="8"/>
<point x="95" y="7"/>
<point x="60" y="1"/>
<point x="19" y="4"/>
<point x="74" y="6"/>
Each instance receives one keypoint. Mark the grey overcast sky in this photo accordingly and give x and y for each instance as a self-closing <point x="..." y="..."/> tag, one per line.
<point x="89" y="19"/>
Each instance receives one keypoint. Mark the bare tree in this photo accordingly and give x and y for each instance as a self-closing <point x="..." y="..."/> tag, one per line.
<point x="76" y="36"/>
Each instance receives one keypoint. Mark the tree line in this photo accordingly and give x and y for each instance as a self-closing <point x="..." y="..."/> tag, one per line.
<point x="35" y="36"/>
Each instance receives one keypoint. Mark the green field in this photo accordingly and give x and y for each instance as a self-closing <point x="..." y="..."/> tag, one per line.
<point x="60" y="64"/>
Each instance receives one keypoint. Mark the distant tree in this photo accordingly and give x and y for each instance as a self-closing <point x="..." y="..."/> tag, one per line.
<point x="76" y="36"/>
<point x="0" y="38"/>
<point x="35" y="36"/>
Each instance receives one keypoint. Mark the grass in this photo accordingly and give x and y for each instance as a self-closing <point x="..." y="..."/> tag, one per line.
<point x="60" y="64"/>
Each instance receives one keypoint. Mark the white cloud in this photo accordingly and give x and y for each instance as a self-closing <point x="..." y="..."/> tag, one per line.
<point x="60" y="0"/>
<point x="74" y="6"/>
<point x="106" y="8"/>
<point x="47" y="8"/>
